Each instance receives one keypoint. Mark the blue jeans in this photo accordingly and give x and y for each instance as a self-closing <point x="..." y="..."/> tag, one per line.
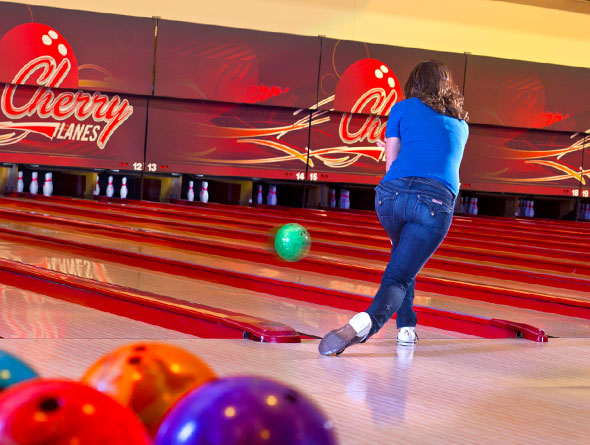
<point x="416" y="213"/>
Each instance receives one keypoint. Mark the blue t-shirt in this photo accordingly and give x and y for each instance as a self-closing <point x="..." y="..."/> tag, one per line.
<point x="432" y="144"/>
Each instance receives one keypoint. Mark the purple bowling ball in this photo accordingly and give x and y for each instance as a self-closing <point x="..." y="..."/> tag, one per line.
<point x="245" y="411"/>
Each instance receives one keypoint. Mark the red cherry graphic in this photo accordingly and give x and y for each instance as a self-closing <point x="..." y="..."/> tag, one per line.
<point x="228" y="71"/>
<point x="233" y="80"/>
<point x="29" y="41"/>
<point x="367" y="86"/>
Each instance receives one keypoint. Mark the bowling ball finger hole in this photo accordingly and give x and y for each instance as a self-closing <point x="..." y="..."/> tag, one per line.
<point x="140" y="348"/>
<point x="49" y="405"/>
<point x="292" y="397"/>
<point x="134" y="360"/>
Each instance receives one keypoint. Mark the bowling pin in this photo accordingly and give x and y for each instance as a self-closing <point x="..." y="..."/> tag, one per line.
<point x="20" y="184"/>
<point x="259" y="195"/>
<point x="532" y="210"/>
<point x="123" y="192"/>
<point x="271" y="198"/>
<point x="97" y="189"/>
<point x="191" y="192"/>
<point x="110" y="188"/>
<point x="34" y="186"/>
<point x="528" y="209"/>
<point x="587" y="212"/>
<point x="470" y="206"/>
<point x="204" y="195"/>
<point x="475" y="209"/>
<point x="48" y="184"/>
<point x="346" y="201"/>
<point x="332" y="197"/>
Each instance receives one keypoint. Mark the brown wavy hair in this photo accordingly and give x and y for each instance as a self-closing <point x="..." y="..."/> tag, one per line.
<point x="431" y="82"/>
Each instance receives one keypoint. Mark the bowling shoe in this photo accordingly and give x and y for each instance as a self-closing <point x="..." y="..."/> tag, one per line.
<point x="407" y="336"/>
<point x="336" y="341"/>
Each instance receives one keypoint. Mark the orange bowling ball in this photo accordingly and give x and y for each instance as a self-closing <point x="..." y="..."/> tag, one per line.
<point x="148" y="378"/>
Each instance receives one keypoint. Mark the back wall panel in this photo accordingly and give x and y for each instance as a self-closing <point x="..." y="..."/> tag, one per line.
<point x="102" y="52"/>
<point x="95" y="131"/>
<point x="236" y="65"/>
<point x="351" y="71"/>
<point x="520" y="160"/>
<point x="226" y="139"/>
<point x="514" y="93"/>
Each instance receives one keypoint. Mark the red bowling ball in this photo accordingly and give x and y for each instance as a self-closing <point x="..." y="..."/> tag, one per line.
<point x="30" y="41"/>
<point x="61" y="412"/>
<point x="367" y="86"/>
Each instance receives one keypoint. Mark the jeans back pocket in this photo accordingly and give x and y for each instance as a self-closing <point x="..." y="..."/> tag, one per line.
<point x="385" y="203"/>
<point x="430" y="209"/>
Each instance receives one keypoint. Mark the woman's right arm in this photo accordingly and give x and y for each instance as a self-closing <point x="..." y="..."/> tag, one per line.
<point x="392" y="147"/>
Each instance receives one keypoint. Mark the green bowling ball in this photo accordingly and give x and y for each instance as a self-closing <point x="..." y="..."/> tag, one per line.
<point x="292" y="242"/>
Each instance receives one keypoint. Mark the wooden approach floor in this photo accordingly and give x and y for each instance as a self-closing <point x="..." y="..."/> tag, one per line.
<point x="441" y="391"/>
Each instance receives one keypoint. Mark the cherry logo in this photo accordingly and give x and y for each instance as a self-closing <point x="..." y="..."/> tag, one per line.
<point x="36" y="54"/>
<point x="367" y="86"/>
<point x="28" y="42"/>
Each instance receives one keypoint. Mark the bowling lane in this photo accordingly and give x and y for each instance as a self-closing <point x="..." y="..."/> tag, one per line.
<point x="312" y="322"/>
<point x="441" y="255"/>
<point x="25" y="314"/>
<point x="554" y="325"/>
<point x="160" y="225"/>
<point x="379" y="264"/>
<point x="336" y="221"/>
<point x="157" y="225"/>
<point x="285" y="273"/>
<point x="308" y="318"/>
<point x="335" y="284"/>
<point x="554" y="291"/>
<point x="437" y="392"/>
